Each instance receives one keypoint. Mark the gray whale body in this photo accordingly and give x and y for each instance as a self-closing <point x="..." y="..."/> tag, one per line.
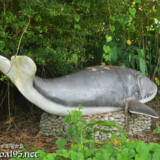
<point x="94" y="86"/>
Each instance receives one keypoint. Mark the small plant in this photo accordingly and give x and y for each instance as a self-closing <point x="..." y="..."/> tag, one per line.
<point x="3" y="77"/>
<point x="80" y="130"/>
<point x="81" y="133"/>
<point x="157" y="130"/>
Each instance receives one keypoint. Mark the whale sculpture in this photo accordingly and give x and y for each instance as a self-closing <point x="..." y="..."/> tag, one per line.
<point x="100" y="89"/>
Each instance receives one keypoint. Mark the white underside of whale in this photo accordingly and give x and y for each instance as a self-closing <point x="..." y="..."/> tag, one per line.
<point x="57" y="109"/>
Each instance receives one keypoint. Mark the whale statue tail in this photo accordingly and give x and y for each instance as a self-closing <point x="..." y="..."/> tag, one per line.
<point x="20" y="68"/>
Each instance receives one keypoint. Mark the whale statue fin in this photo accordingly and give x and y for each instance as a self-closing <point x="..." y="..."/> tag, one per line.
<point x="140" y="108"/>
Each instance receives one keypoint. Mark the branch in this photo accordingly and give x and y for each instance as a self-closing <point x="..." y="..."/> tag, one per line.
<point x="19" y="44"/>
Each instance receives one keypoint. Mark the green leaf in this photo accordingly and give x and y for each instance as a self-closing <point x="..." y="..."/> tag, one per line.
<point x="41" y="153"/>
<point x="69" y="131"/>
<point x="132" y="11"/>
<point x="73" y="155"/>
<point x="131" y="153"/>
<point x="80" y="156"/>
<point x="130" y="57"/>
<point x="67" y="119"/>
<point x="92" y="145"/>
<point x="113" y="18"/>
<point x="76" y="113"/>
<point x="156" y="155"/>
<point x="2" y="45"/>
<point x="83" y="121"/>
<point x="124" y="154"/>
<point x="137" y="1"/>
<point x="106" y="57"/>
<point x="140" y="53"/>
<point x="123" y="138"/>
<point x="108" y="124"/>
<point x="87" y="4"/>
<point x="50" y="156"/>
<point x="3" y="77"/>
<point x="158" y="91"/>
<point x="132" y="27"/>
<point x="99" y="156"/>
<point x="108" y="38"/>
<point x="74" y="58"/>
<point x="147" y="56"/>
<point x="61" y="143"/>
<point x="63" y="152"/>
<point x="113" y="136"/>
<point x="102" y="131"/>
<point x="157" y="130"/>
<point x="154" y="146"/>
<point x="77" y="26"/>
<point x="142" y="148"/>
<point x="91" y="124"/>
<point x="142" y="66"/>
<point x="74" y="119"/>
<point x="106" y="49"/>
<point x="113" y="55"/>
<point x="77" y="17"/>
<point x="80" y="107"/>
<point x="112" y="28"/>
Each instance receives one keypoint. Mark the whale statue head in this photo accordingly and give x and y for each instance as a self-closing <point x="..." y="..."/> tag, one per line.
<point x="148" y="89"/>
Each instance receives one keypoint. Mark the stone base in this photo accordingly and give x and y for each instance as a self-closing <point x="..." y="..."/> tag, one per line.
<point x="51" y="125"/>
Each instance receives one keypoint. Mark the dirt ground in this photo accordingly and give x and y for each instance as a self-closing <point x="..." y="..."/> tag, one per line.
<point x="20" y="131"/>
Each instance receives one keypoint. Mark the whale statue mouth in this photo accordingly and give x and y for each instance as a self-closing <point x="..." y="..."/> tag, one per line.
<point x="148" y="97"/>
<point x="148" y="89"/>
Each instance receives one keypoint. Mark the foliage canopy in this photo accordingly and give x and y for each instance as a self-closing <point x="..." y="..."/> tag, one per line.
<point x="72" y="34"/>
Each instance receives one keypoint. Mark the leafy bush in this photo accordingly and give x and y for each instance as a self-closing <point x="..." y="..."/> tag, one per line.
<point x="130" y="40"/>
<point x="85" y="147"/>
<point x="74" y="34"/>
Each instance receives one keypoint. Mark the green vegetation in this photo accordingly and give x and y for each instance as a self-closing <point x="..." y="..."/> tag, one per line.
<point x="157" y="130"/>
<point x="85" y="147"/>
<point x="69" y="35"/>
